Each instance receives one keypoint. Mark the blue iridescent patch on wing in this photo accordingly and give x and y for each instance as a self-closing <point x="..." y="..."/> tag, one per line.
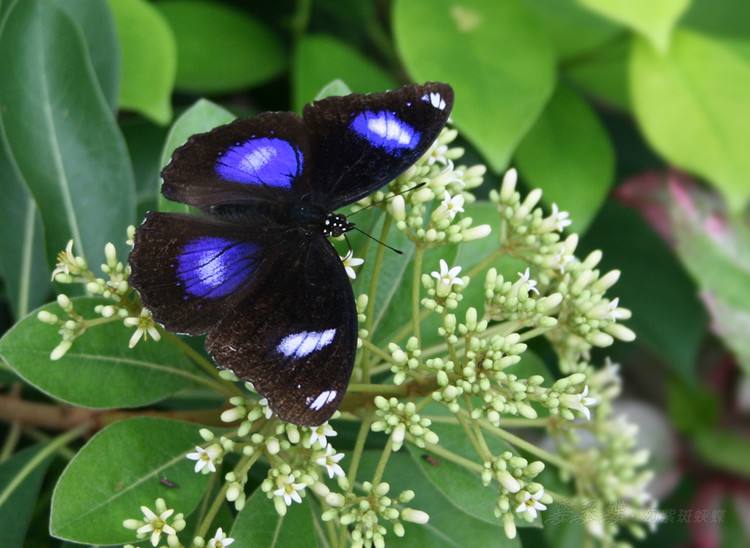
<point x="211" y="267"/>
<point x="262" y="161"/>
<point x="384" y="129"/>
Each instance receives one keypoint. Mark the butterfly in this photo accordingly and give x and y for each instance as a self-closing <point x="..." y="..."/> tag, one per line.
<point x="256" y="271"/>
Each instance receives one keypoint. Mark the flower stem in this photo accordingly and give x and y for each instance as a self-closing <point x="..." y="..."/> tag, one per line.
<point x="385" y="455"/>
<point x="455" y="458"/>
<point x="58" y="442"/>
<point x="379" y="352"/>
<point x="386" y="389"/>
<point x="415" y="287"/>
<point x="359" y="446"/>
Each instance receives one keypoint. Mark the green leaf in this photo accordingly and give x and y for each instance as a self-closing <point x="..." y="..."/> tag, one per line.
<point x="603" y="73"/>
<point x="23" y="264"/>
<point x="691" y="105"/>
<point x="724" y="449"/>
<point x="319" y="59"/>
<point x="95" y="21"/>
<point x="60" y="132"/>
<point x="18" y="505"/>
<point x="654" y="20"/>
<point x="145" y="141"/>
<point x="149" y="59"/>
<point x="569" y="156"/>
<point x="728" y="18"/>
<point x="99" y="370"/>
<point x="201" y="117"/>
<point x="499" y="62"/>
<point x="447" y="527"/>
<point x="117" y="472"/>
<point x="667" y="315"/>
<point x="335" y="88"/>
<point x="259" y="525"/>
<point x="220" y="48"/>
<point x="573" y="29"/>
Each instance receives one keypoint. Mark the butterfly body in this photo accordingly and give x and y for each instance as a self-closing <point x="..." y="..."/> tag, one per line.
<point x="256" y="272"/>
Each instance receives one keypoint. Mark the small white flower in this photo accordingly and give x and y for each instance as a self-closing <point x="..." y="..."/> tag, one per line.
<point x="350" y="261"/>
<point x="220" y="540"/>
<point x="446" y="278"/>
<point x="145" y="327"/>
<point x="330" y="461"/>
<point x="525" y="277"/>
<point x="531" y="503"/>
<point x="320" y="433"/>
<point x="267" y="411"/>
<point x="205" y="459"/>
<point x="452" y="205"/>
<point x="561" y="218"/>
<point x="154" y="524"/>
<point x="289" y="491"/>
<point x="580" y="402"/>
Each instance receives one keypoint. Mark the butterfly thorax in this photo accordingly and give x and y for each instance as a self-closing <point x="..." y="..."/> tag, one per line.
<point x="314" y="218"/>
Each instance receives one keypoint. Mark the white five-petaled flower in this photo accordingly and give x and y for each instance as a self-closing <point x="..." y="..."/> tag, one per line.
<point x="145" y="327"/>
<point x="220" y="540"/>
<point x="320" y="433"/>
<point x="289" y="490"/>
<point x="447" y="278"/>
<point x="452" y="205"/>
<point x="561" y="218"/>
<point x="350" y="261"/>
<point x="531" y="503"/>
<point x="330" y="461"/>
<point x="525" y="277"/>
<point x="580" y="402"/>
<point x="205" y="459"/>
<point x="153" y="523"/>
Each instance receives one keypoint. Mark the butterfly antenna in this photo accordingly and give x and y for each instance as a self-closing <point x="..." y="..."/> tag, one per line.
<point x="376" y="240"/>
<point x="415" y="187"/>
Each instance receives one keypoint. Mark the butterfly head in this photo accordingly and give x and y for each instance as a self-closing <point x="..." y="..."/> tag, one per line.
<point x="336" y="225"/>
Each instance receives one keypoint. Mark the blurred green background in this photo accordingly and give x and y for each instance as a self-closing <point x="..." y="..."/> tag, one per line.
<point x="633" y="115"/>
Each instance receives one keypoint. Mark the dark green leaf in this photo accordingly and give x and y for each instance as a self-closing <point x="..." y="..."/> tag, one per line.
<point x="18" y="505"/>
<point x="220" y="48"/>
<point x="724" y="449"/>
<point x="149" y="59"/>
<point x="202" y="116"/>
<point x="728" y="18"/>
<point x="60" y="132"/>
<point x="259" y="525"/>
<point x="691" y="105"/>
<point x="23" y="264"/>
<point x="320" y="59"/>
<point x="495" y="56"/>
<point x="99" y="370"/>
<point x="98" y="26"/>
<point x="604" y="72"/>
<point x="145" y="141"/>
<point x="117" y="472"/>
<point x="569" y="156"/>
<point x="447" y="526"/>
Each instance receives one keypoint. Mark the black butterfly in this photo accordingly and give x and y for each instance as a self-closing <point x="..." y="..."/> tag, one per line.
<point x="257" y="272"/>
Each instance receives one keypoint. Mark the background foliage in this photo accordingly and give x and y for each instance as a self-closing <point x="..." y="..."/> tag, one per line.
<point x="632" y="115"/>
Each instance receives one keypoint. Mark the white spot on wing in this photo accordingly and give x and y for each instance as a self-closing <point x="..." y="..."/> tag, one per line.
<point x="435" y="99"/>
<point x="323" y="398"/>
<point x="304" y="343"/>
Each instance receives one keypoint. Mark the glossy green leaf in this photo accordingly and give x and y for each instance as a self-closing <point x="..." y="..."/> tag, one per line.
<point x="494" y="54"/>
<point x="692" y="106"/>
<point x="145" y="141"/>
<point x="603" y="73"/>
<point x="724" y="449"/>
<point x="728" y="18"/>
<point x="259" y="525"/>
<point x="220" y="48"/>
<point x="98" y="27"/>
<point x="319" y="59"/>
<point x="569" y="156"/>
<point x="201" y="117"/>
<point x="667" y="315"/>
<point x="572" y="28"/>
<point x="99" y="370"/>
<point x="149" y="59"/>
<point x="23" y="265"/>
<point x="18" y="503"/>
<point x="448" y="527"/>
<point x="61" y="133"/>
<point x="652" y="19"/>
<point x="117" y="472"/>
<point x="335" y="88"/>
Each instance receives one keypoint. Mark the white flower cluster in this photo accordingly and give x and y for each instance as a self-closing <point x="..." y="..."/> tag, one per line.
<point x="399" y="420"/>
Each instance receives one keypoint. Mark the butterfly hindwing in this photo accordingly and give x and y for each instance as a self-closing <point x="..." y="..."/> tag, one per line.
<point x="190" y="271"/>
<point x="361" y="142"/>
<point x="264" y="158"/>
<point x="295" y="338"/>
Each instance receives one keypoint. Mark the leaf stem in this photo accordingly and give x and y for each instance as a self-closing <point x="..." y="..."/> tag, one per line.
<point x="455" y="458"/>
<point x="415" y="287"/>
<point x="39" y="458"/>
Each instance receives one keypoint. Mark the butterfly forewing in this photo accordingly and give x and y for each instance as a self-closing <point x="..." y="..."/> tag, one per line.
<point x="368" y="140"/>
<point x="296" y="337"/>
